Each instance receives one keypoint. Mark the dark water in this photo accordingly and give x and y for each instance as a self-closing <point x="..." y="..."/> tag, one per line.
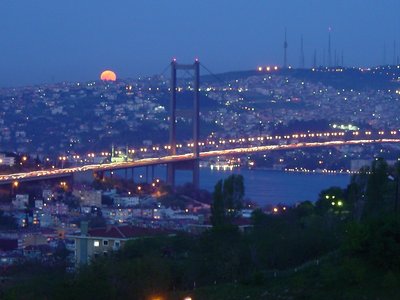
<point x="262" y="186"/>
<point x="273" y="187"/>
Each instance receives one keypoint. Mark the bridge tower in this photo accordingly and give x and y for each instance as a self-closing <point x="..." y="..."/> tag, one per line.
<point x="193" y="164"/>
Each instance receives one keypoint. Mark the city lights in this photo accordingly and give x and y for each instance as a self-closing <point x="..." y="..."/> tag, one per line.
<point x="196" y="179"/>
<point x="222" y="147"/>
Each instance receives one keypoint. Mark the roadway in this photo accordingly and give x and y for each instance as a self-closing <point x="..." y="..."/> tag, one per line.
<point x="60" y="173"/>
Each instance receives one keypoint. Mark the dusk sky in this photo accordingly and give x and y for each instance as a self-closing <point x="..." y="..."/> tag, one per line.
<point x="47" y="41"/>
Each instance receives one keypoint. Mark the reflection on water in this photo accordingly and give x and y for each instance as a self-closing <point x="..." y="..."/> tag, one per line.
<point x="262" y="186"/>
<point x="272" y="187"/>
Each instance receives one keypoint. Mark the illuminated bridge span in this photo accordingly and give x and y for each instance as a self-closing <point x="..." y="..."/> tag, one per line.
<point x="180" y="158"/>
<point x="177" y="161"/>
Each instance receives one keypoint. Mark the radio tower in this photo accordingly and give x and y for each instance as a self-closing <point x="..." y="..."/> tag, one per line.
<point x="335" y="59"/>
<point x="302" y="59"/>
<point x="302" y="63"/>
<point x="342" y="61"/>
<point x="384" y="54"/>
<point x="329" y="48"/>
<point x="315" y="58"/>
<point x="285" y="46"/>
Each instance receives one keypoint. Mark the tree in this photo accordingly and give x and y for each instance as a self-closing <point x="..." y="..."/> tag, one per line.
<point x="227" y="200"/>
<point x="258" y="218"/>
<point x="355" y="192"/>
<point x="329" y="199"/>
<point x="304" y="209"/>
<point x="377" y="189"/>
<point x="233" y="192"/>
<point x="376" y="240"/>
<point x="218" y="217"/>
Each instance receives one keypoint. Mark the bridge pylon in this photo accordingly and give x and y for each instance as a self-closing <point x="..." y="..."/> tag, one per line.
<point x="193" y="164"/>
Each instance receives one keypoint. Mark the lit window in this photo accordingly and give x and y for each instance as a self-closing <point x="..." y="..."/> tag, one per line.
<point x="96" y="243"/>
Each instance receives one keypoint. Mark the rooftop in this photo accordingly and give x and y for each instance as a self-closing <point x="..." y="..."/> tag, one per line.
<point x="126" y="232"/>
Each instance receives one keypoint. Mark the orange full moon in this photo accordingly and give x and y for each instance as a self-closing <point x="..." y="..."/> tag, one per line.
<point x="108" y="75"/>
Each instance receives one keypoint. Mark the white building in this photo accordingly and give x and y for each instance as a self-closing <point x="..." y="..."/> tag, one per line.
<point x="47" y="195"/>
<point x="118" y="215"/>
<point x="21" y="201"/>
<point x="39" y="204"/>
<point x="126" y="201"/>
<point x="88" y="197"/>
<point x="6" y="161"/>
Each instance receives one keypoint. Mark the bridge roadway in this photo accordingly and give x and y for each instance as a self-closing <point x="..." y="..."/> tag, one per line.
<point x="66" y="172"/>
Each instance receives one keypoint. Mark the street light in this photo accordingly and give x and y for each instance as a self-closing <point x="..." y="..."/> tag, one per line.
<point x="62" y="159"/>
<point x="14" y="187"/>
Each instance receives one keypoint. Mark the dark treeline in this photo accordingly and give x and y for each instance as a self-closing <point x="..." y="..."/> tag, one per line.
<point x="349" y="238"/>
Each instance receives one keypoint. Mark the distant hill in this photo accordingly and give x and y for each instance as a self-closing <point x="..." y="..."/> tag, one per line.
<point x="185" y="101"/>
<point x="350" y="78"/>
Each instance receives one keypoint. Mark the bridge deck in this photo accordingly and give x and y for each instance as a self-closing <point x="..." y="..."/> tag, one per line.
<point x="60" y="173"/>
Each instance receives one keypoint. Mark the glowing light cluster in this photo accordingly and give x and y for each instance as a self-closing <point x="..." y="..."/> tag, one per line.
<point x="233" y="148"/>
<point x="267" y="68"/>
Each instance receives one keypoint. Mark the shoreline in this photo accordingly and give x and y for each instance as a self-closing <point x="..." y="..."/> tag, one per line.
<point x="294" y="170"/>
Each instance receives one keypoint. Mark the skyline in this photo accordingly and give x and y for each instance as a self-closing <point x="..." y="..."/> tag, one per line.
<point x="48" y="42"/>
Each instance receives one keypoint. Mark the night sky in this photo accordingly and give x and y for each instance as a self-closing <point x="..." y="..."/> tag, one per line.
<point x="46" y="41"/>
